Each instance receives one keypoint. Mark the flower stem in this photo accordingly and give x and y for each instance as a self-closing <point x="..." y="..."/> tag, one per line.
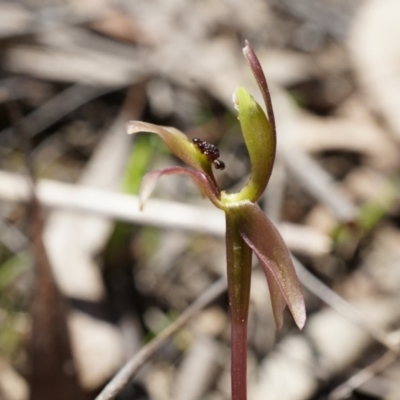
<point x="239" y="277"/>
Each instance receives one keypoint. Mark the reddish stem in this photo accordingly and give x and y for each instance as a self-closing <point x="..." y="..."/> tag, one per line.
<point x="239" y="359"/>
<point x="239" y="277"/>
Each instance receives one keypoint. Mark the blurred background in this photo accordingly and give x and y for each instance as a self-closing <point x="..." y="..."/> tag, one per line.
<point x="86" y="280"/>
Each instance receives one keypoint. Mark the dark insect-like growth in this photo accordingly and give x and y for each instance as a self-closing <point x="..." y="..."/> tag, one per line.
<point x="210" y="151"/>
<point x="219" y="164"/>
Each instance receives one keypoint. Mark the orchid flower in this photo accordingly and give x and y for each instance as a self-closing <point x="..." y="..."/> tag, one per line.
<point x="248" y="229"/>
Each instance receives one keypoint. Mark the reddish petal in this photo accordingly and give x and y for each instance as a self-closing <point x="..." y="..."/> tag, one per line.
<point x="266" y="242"/>
<point x="277" y="300"/>
<point x="258" y="73"/>
<point x="202" y="181"/>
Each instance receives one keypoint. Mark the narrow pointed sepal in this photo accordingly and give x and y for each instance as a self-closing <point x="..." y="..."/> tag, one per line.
<point x="264" y="239"/>
<point x="200" y="179"/>
<point x="259" y="76"/>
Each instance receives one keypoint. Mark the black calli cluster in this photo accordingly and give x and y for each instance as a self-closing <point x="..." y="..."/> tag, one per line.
<point x="210" y="151"/>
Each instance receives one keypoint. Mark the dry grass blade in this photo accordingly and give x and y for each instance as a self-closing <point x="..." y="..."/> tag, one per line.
<point x="319" y="183"/>
<point x="339" y="304"/>
<point x="126" y="374"/>
<point x="17" y="20"/>
<point x="331" y="344"/>
<point x="344" y="390"/>
<point x="201" y="219"/>
<point x="52" y="111"/>
<point x="375" y="52"/>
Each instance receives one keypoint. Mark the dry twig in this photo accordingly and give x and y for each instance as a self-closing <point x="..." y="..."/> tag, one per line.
<point x="126" y="374"/>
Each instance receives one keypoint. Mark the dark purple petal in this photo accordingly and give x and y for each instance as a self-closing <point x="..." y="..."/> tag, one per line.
<point x="266" y="242"/>
<point x="200" y="179"/>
